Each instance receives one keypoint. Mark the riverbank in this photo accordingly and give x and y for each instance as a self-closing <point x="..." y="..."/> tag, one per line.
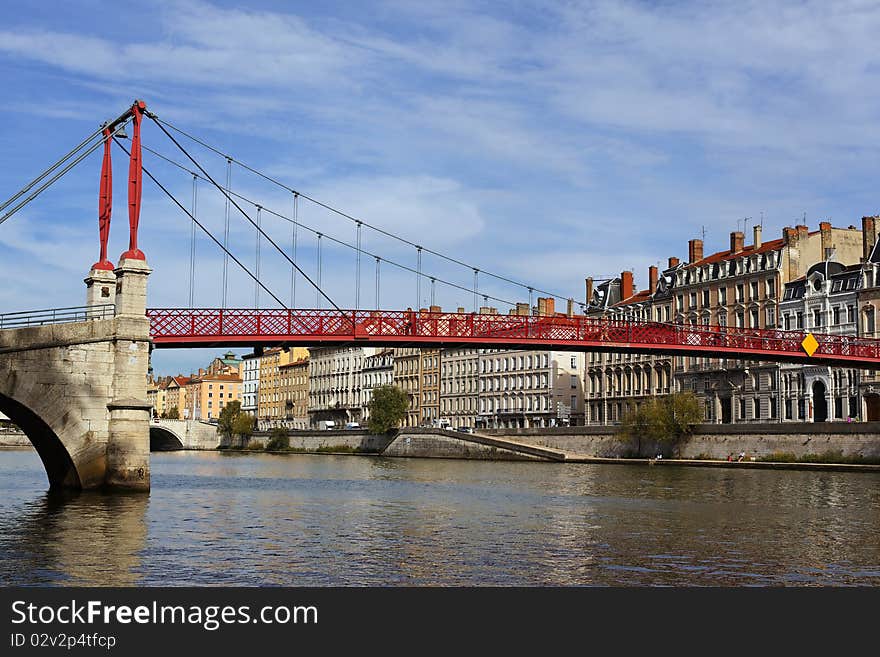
<point x="532" y="445"/>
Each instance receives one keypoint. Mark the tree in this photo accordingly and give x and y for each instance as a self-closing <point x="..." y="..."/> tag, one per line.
<point x="387" y="408"/>
<point x="227" y="418"/>
<point x="279" y="439"/>
<point x="666" y="420"/>
<point x="172" y="414"/>
<point x="243" y="425"/>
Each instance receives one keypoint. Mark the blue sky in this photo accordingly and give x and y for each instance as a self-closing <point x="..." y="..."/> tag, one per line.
<point x="544" y="141"/>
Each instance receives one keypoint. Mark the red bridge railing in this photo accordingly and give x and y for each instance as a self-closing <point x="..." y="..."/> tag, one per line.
<point x="181" y="327"/>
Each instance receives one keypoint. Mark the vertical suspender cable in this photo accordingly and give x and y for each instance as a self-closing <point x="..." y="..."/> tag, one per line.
<point x="530" y="300"/>
<point x="192" y="242"/>
<point x="357" y="275"/>
<point x="293" y="250"/>
<point x="319" y="270"/>
<point x="418" y="277"/>
<point x="257" y="270"/>
<point x="226" y="231"/>
<point x="476" y="278"/>
<point x="378" y="259"/>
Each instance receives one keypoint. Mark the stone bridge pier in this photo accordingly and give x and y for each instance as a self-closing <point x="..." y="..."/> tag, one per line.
<point x="78" y="390"/>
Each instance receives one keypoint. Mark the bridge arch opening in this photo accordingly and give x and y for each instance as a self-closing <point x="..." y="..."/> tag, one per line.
<point x="164" y="440"/>
<point x="60" y="470"/>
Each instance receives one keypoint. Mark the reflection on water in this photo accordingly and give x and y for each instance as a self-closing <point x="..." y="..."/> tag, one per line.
<point x="318" y="520"/>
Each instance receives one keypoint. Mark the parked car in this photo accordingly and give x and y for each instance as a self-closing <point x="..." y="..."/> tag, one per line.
<point x="465" y="429"/>
<point x="326" y="425"/>
<point x="352" y="425"/>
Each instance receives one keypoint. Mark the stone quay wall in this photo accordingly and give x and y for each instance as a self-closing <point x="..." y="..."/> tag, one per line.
<point x="717" y="441"/>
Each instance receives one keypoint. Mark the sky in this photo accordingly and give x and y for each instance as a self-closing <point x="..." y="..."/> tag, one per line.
<point x="540" y="141"/>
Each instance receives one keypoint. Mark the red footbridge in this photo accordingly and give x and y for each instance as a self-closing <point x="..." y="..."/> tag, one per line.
<point x="185" y="327"/>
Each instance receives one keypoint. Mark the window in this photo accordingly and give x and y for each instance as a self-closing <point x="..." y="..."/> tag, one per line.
<point x="753" y="317"/>
<point x="681" y="301"/>
<point x="771" y="288"/>
<point x="836" y="317"/>
<point x="574" y="381"/>
<point x="574" y="361"/>
<point x="800" y="320"/>
<point x="740" y="292"/>
<point x="787" y="322"/>
<point x="771" y="317"/>
<point x="850" y="314"/>
<point x="705" y="298"/>
<point x="753" y="290"/>
<point x="817" y="317"/>
<point x="692" y="299"/>
<point x="740" y="319"/>
<point x="722" y="295"/>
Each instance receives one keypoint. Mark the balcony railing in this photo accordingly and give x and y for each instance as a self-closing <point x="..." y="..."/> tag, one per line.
<point x="56" y="316"/>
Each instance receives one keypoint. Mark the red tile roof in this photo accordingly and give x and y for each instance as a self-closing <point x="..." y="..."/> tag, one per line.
<point x="636" y="298"/>
<point x="772" y="245"/>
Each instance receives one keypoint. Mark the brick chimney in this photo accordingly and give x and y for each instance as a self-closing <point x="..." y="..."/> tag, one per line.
<point x="673" y="262"/>
<point x="789" y="235"/>
<point x="626" y="285"/>
<point x="737" y="241"/>
<point x="460" y="310"/>
<point x="522" y="309"/>
<point x="551" y="306"/>
<point x="589" y="291"/>
<point x="756" y="232"/>
<point x="436" y="309"/>
<point x="802" y="230"/>
<point x="652" y="279"/>
<point x="869" y="235"/>
<point x="827" y="244"/>
<point x="695" y="251"/>
<point x="542" y="306"/>
<point x="569" y="310"/>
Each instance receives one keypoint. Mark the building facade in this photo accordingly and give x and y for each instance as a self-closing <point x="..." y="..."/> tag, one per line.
<point x="524" y="388"/>
<point x="295" y="393"/>
<point x="823" y="301"/>
<point x="378" y="371"/>
<point x="250" y="383"/>
<point x="460" y="386"/>
<point x="335" y="391"/>
<point x="429" y="386"/>
<point x="208" y="394"/>
<point x="406" y="372"/>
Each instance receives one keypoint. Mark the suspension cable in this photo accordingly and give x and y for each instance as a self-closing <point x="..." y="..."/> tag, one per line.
<point x="239" y="208"/>
<point x="54" y="178"/>
<point x="226" y="230"/>
<point x="330" y="208"/>
<point x="24" y="190"/>
<point x="192" y="242"/>
<point x="340" y="242"/>
<point x="206" y="231"/>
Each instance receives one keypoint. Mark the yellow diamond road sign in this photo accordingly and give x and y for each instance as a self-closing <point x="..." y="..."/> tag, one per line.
<point x="810" y="344"/>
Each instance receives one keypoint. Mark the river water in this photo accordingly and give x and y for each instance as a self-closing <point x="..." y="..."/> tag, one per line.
<point x="295" y="520"/>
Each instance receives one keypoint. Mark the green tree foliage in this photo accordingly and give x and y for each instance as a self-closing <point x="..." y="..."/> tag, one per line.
<point x="243" y="424"/>
<point x="279" y="439"/>
<point x="387" y="408"/>
<point x="172" y="413"/>
<point x="227" y="418"/>
<point x="666" y="420"/>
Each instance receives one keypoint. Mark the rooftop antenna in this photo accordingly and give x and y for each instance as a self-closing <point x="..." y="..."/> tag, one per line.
<point x="737" y="223"/>
<point x="762" y="220"/>
<point x="703" y="233"/>
<point x="745" y="224"/>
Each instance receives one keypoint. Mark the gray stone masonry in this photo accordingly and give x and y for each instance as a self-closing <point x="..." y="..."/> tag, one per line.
<point x="78" y="390"/>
